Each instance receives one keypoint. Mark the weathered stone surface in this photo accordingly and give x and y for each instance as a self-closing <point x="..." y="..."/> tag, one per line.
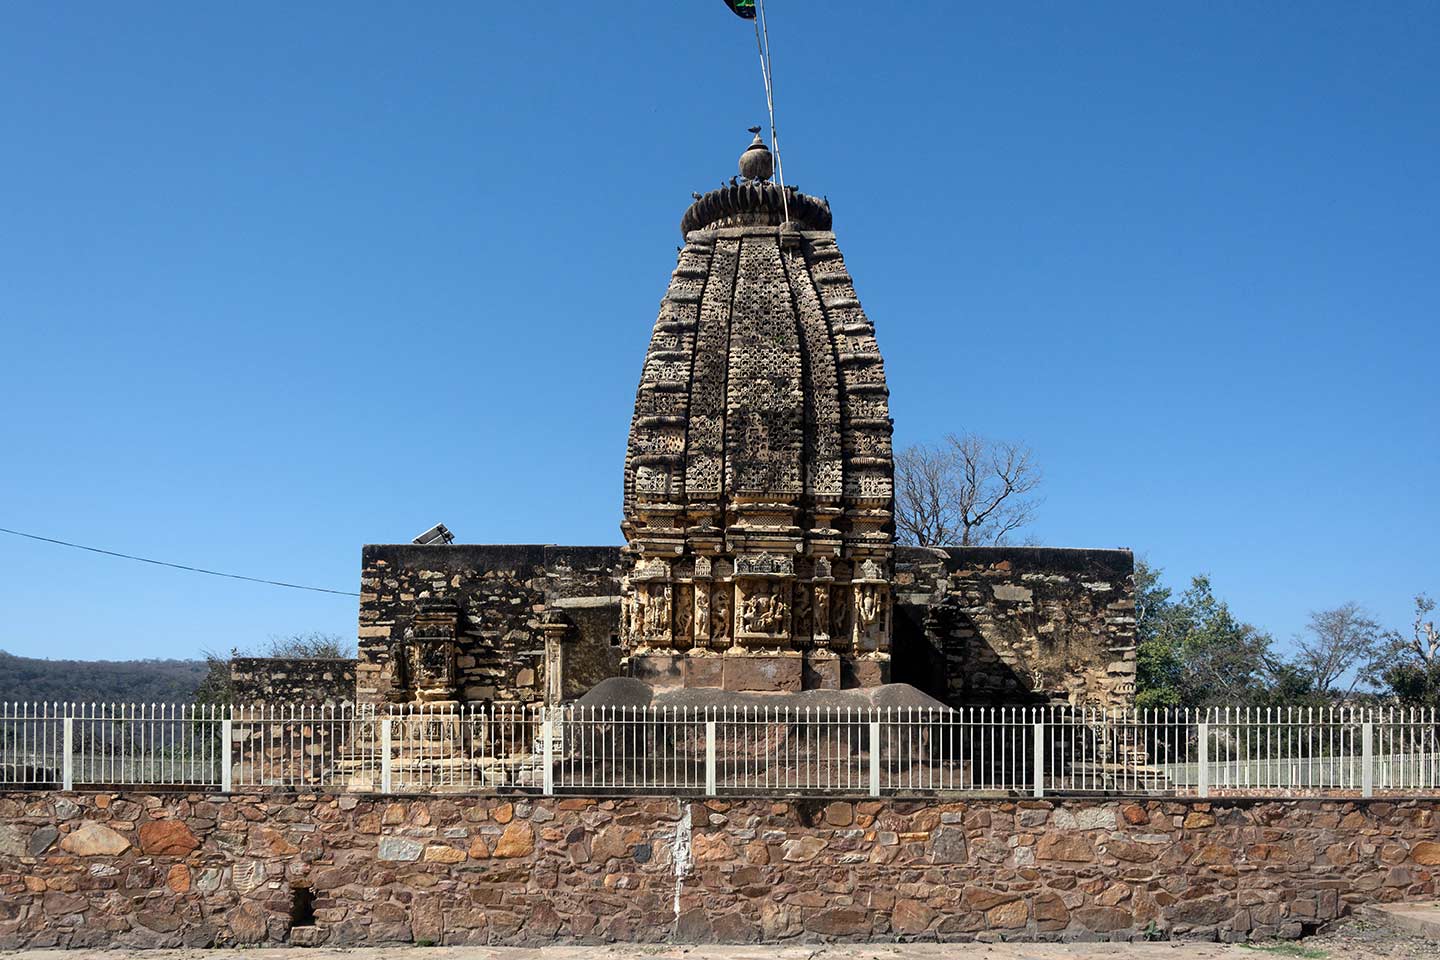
<point x="443" y="854"/>
<point x="1104" y="919"/>
<point x="912" y="917"/>
<point x="167" y="837"/>
<point x="1069" y="847"/>
<point x="42" y="839"/>
<point x="400" y="848"/>
<point x="1133" y="852"/>
<point x="1050" y="912"/>
<point x="840" y="922"/>
<point x="1426" y="853"/>
<point x="91" y="839"/>
<point x="178" y="878"/>
<point x="518" y="840"/>
<point x="948" y="846"/>
<point x="13" y="841"/>
<point x="1008" y="916"/>
<point x="249" y="924"/>
<point x="1264" y="866"/>
<point x="1134" y="814"/>
<point x="803" y="849"/>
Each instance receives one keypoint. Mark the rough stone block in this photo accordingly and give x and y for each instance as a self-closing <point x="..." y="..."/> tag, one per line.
<point x="865" y="673"/>
<point x="822" y="670"/>
<point x="763" y="673"/>
<point x="702" y="670"/>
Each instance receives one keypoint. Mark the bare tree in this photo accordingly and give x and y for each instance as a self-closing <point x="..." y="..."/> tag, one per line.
<point x="1341" y="641"/>
<point x="1424" y="640"/>
<point x="310" y="646"/>
<point x="966" y="491"/>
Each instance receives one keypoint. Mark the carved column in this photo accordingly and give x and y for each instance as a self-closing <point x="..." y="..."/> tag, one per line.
<point x="556" y="631"/>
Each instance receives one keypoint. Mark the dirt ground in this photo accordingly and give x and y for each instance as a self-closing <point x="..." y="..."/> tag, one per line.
<point x="1352" y="940"/>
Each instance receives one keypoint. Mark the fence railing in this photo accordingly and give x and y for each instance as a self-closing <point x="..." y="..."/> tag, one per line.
<point x="717" y="751"/>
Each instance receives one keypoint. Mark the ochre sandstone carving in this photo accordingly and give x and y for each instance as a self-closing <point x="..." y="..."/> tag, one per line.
<point x="758" y="474"/>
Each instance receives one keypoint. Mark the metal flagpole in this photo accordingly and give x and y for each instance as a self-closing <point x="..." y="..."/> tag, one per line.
<point x="762" y="28"/>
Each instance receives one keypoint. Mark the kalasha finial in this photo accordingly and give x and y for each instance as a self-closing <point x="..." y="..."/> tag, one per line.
<point x="756" y="163"/>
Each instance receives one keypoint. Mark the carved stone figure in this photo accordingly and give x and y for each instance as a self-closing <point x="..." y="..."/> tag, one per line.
<point x="720" y="617"/>
<point x="821" y="614"/>
<point x="702" y="614"/>
<point x="684" y="610"/>
<point x="804" y="626"/>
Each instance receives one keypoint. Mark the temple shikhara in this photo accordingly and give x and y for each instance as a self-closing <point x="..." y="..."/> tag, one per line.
<point x="759" y="556"/>
<point x="758" y="479"/>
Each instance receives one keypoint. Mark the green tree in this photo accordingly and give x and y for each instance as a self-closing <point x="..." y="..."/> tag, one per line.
<point x="1192" y="651"/>
<point x="1408" y="666"/>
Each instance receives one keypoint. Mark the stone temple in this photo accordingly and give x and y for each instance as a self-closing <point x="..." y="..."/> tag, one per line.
<point x="758" y="478"/>
<point x="759" y="556"/>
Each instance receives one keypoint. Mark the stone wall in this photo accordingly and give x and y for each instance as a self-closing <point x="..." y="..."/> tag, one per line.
<point x="1015" y="625"/>
<point x="138" y="870"/>
<point x="291" y="680"/>
<point x="973" y="625"/>
<point x="503" y="594"/>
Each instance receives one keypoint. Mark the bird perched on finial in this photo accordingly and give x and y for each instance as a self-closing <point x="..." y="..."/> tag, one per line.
<point x="754" y="130"/>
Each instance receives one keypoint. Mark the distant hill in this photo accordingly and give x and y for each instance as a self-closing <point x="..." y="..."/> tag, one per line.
<point x="131" y="681"/>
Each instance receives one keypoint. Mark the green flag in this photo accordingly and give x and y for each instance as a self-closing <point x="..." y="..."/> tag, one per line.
<point x="744" y="9"/>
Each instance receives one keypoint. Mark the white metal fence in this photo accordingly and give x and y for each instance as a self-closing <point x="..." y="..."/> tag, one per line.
<point x="736" y="751"/>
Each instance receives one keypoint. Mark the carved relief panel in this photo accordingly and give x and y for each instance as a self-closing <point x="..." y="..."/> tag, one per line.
<point x="762" y="612"/>
<point x="426" y="663"/>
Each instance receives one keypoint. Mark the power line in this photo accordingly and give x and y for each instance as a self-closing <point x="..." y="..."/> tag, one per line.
<point x="177" y="566"/>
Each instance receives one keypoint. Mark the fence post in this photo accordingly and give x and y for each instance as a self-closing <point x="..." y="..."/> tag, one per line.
<point x="547" y="752"/>
<point x="385" y="760"/>
<point x="710" y="758"/>
<point x="874" y="758"/>
<point x="1203" y="787"/>
<point x="1039" y="758"/>
<point x="227" y="741"/>
<point x="1367" y="759"/>
<point x="67" y="763"/>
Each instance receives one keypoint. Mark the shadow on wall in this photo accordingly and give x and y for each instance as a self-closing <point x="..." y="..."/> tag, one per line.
<point x="941" y="650"/>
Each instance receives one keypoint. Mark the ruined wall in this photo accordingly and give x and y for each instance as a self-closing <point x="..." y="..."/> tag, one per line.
<point x="1014" y="625"/>
<point x="292" y="680"/>
<point x="149" y="870"/>
<point x="973" y="625"/>
<point x="503" y="593"/>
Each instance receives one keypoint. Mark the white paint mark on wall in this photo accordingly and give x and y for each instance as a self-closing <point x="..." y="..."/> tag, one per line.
<point x="680" y="854"/>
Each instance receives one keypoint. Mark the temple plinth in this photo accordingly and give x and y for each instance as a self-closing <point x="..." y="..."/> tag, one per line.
<point x="759" y="473"/>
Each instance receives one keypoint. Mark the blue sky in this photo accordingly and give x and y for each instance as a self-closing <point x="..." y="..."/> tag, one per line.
<point x="280" y="280"/>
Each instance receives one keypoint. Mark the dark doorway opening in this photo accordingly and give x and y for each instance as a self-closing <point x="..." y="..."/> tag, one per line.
<point x="302" y="907"/>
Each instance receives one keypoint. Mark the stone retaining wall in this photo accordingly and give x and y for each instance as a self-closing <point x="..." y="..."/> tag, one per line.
<point x="149" y="870"/>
